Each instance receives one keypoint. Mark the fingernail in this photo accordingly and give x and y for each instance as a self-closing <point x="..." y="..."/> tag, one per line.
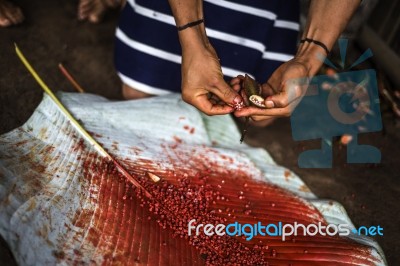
<point x="238" y="103"/>
<point x="269" y="104"/>
<point x="237" y="99"/>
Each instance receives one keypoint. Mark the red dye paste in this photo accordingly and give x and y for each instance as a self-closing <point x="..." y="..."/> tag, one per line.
<point x="128" y="227"/>
<point x="191" y="130"/>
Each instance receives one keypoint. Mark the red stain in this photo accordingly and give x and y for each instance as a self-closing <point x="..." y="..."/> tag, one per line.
<point x="287" y="173"/>
<point x="21" y="143"/>
<point x="136" y="150"/>
<point x="114" y="145"/>
<point x="177" y="139"/>
<point x="94" y="134"/>
<point x="80" y="145"/>
<point x="191" y="130"/>
<point x="127" y="227"/>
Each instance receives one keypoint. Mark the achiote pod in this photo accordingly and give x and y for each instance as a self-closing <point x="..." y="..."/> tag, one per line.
<point x="251" y="93"/>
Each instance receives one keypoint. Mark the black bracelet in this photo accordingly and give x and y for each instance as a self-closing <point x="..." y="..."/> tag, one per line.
<point x="190" y="24"/>
<point x="322" y="45"/>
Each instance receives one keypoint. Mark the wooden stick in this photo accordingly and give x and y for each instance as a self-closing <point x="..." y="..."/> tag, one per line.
<point x="245" y="128"/>
<point x="76" y="124"/>
<point x="71" y="79"/>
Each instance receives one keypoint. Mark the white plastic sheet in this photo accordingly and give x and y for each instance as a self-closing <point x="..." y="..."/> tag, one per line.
<point x="41" y="183"/>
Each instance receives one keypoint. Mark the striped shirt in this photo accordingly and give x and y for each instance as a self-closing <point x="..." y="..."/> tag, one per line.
<point x="250" y="36"/>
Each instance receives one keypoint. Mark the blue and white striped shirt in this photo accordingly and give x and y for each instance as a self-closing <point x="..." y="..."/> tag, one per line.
<point x="250" y="36"/>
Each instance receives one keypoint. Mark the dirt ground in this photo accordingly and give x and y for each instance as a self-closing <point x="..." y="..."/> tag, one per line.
<point x="51" y="34"/>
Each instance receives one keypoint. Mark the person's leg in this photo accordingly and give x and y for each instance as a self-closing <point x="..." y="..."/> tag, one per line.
<point x="130" y="93"/>
<point x="93" y="10"/>
<point x="10" y="14"/>
<point x="146" y="49"/>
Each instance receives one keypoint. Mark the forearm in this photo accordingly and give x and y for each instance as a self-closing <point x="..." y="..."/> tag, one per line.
<point x="186" y="11"/>
<point x="201" y="71"/>
<point x="326" y="21"/>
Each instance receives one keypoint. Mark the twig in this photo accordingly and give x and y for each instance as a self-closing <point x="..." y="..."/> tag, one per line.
<point x="245" y="128"/>
<point x="71" y="79"/>
<point x="77" y="126"/>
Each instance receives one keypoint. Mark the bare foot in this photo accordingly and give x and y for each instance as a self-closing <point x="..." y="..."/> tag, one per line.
<point x="130" y="93"/>
<point x="93" y="10"/>
<point x="10" y="14"/>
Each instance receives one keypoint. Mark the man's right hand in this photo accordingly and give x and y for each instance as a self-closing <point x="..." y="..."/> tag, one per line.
<point x="202" y="77"/>
<point x="203" y="85"/>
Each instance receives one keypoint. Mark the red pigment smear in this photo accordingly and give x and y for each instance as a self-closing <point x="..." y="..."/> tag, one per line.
<point x="114" y="146"/>
<point x="136" y="150"/>
<point x="80" y="145"/>
<point x="36" y="177"/>
<point x="128" y="228"/>
<point x="94" y="134"/>
<point x="122" y="227"/>
<point x="191" y="130"/>
<point x="177" y="139"/>
<point x="177" y="142"/>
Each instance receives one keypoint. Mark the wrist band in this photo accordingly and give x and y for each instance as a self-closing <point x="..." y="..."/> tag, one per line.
<point x="322" y="45"/>
<point x="190" y="24"/>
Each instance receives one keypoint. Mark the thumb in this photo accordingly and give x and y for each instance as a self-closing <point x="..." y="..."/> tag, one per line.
<point x="227" y="94"/>
<point x="292" y="89"/>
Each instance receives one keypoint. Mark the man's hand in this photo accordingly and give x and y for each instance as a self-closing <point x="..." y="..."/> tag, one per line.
<point x="202" y="80"/>
<point x="285" y="88"/>
<point x="202" y="75"/>
<point x="203" y="85"/>
<point x="282" y="92"/>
